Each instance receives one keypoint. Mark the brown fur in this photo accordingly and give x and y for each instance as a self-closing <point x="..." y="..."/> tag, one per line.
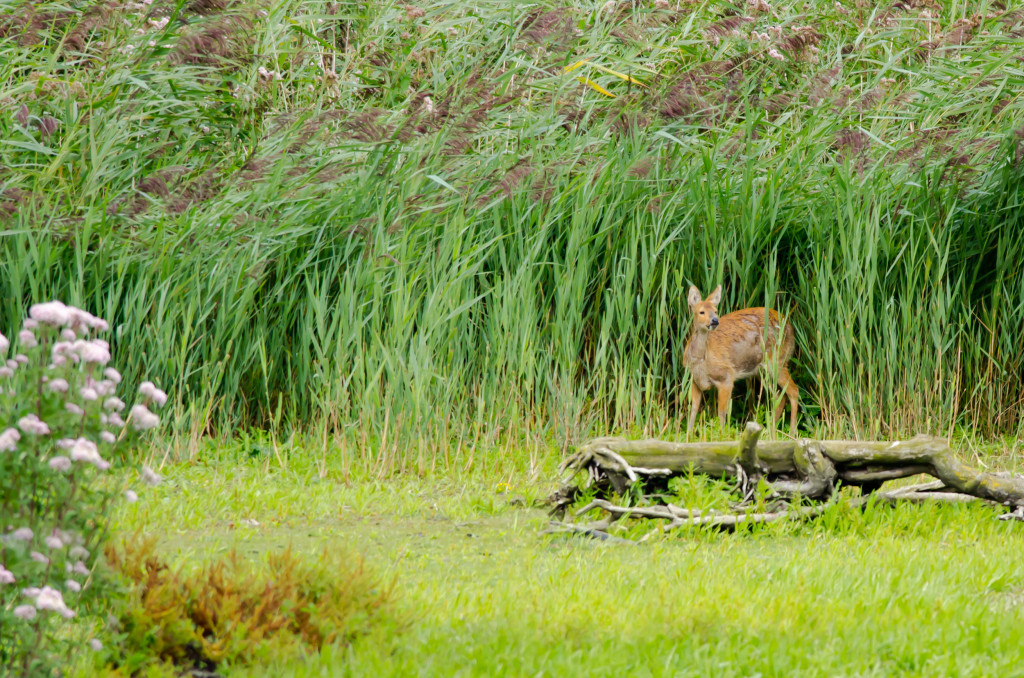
<point x="722" y="351"/>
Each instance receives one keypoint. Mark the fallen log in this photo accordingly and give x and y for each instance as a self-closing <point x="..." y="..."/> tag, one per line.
<point x="815" y="464"/>
<point x="796" y="468"/>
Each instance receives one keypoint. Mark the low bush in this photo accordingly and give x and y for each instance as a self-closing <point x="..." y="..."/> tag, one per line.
<point x="234" y="611"/>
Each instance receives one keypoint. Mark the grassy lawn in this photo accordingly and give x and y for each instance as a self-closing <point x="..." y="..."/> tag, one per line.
<point x="918" y="590"/>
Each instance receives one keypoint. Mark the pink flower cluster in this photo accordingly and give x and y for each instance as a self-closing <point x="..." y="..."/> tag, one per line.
<point x="31" y="424"/>
<point x="142" y="418"/>
<point x="56" y="314"/>
<point x="150" y="476"/>
<point x="83" y="449"/>
<point x="9" y="440"/>
<point x="151" y="392"/>
<point x="49" y="599"/>
<point x="76" y="380"/>
<point x="27" y="339"/>
<point x="58" y="385"/>
<point x="60" y="463"/>
<point x="23" y="534"/>
<point x="81" y="350"/>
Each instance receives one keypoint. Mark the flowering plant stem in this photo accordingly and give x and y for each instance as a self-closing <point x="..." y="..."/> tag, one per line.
<point x="64" y="434"/>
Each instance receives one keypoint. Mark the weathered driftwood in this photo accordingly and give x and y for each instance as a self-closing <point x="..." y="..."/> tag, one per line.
<point x="679" y="517"/>
<point x="1017" y="514"/>
<point x="804" y="468"/>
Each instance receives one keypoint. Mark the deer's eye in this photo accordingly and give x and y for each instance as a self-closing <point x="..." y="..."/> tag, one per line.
<point x="702" y="312"/>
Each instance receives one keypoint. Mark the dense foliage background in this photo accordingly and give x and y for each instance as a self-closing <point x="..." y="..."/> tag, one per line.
<point x="410" y="222"/>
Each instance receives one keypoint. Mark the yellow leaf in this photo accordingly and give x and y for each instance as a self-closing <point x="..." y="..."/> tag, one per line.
<point x="594" y="86"/>
<point x="622" y="76"/>
<point x="570" y="69"/>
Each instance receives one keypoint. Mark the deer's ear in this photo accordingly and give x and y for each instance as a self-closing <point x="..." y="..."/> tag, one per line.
<point x="694" y="296"/>
<point x="716" y="296"/>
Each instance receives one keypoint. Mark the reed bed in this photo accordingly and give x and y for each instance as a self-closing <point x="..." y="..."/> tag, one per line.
<point x="428" y="228"/>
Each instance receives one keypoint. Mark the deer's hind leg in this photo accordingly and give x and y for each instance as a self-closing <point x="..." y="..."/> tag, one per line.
<point x="789" y="386"/>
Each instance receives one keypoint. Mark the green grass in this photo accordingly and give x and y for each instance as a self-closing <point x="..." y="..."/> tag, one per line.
<point x="424" y="237"/>
<point x="915" y="590"/>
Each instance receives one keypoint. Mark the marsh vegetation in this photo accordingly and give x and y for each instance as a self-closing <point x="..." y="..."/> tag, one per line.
<point x="403" y="257"/>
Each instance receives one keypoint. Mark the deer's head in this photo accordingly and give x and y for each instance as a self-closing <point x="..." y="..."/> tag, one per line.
<point x="705" y="311"/>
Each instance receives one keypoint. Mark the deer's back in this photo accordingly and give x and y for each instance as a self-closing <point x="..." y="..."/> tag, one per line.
<point x="742" y="339"/>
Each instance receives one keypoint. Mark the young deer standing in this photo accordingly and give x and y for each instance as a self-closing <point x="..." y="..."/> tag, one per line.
<point x="721" y="351"/>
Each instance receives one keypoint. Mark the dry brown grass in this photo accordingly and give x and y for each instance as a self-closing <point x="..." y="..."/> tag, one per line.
<point x="224" y="42"/>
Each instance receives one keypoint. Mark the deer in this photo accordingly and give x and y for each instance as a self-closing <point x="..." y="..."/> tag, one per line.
<point x="722" y="351"/>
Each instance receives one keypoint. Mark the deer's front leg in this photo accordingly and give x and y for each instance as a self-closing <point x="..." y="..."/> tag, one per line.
<point x="695" y="397"/>
<point x="724" y="396"/>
